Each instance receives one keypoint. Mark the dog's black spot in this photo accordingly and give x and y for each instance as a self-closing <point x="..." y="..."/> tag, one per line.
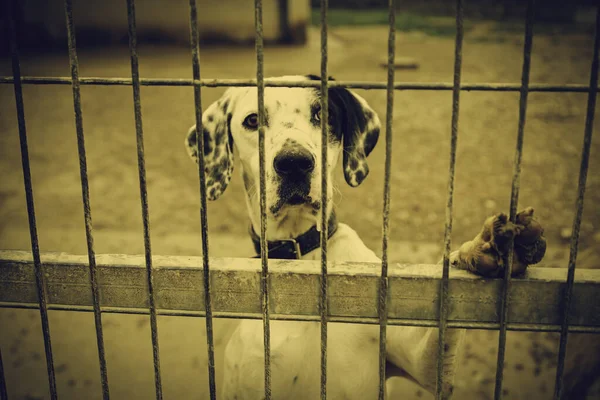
<point x="229" y="116"/>
<point x="225" y="106"/>
<point x="290" y="142"/>
<point x="217" y="153"/>
<point x="208" y="147"/>
<point x="212" y="193"/>
<point x="353" y="163"/>
<point x="218" y="175"/>
<point x="192" y="138"/>
<point x="210" y="118"/>
<point x="297" y="111"/>
<point x="220" y="133"/>
<point x="288" y="125"/>
<point x="360" y="175"/>
<point x="349" y="121"/>
<point x="371" y="140"/>
<point x="223" y="164"/>
<point x="347" y="116"/>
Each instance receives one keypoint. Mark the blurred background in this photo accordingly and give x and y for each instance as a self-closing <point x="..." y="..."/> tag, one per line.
<point x="492" y="53"/>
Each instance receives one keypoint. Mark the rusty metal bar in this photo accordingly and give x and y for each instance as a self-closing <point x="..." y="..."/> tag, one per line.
<point x="323" y="298"/>
<point x="444" y="294"/>
<point x="85" y="194"/>
<point x="264" y="281"/>
<point x="137" y="106"/>
<point x="40" y="270"/>
<point x="210" y="344"/>
<point x="486" y="87"/>
<point x="3" y="392"/>
<point x="583" y="171"/>
<point x="514" y="196"/>
<point x="389" y="119"/>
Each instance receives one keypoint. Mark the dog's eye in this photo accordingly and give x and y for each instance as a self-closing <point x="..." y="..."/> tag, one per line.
<point x="251" y="121"/>
<point x="318" y="116"/>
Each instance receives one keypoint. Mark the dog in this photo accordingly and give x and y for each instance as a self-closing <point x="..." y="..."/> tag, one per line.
<point x="293" y="201"/>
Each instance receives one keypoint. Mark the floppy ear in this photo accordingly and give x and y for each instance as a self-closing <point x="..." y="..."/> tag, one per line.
<point x="359" y="126"/>
<point x="218" y="146"/>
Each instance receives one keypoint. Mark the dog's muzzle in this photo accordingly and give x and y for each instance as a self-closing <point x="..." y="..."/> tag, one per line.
<point x="294" y="165"/>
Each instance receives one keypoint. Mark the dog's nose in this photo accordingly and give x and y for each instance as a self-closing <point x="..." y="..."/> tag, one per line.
<point x="294" y="163"/>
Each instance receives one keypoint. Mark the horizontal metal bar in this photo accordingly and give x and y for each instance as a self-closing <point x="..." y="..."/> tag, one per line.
<point x="497" y="87"/>
<point x="294" y="288"/>
<point x="309" y="318"/>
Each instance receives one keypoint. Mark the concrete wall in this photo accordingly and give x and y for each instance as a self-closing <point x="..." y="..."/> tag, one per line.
<point x="222" y="20"/>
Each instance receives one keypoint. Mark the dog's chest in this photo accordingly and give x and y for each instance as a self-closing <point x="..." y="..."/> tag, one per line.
<point x="344" y="245"/>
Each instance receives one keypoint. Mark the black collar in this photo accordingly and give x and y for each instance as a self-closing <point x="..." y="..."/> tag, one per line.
<point x="290" y="249"/>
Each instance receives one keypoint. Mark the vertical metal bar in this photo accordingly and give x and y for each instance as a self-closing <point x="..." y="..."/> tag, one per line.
<point x="264" y="288"/>
<point x="3" y="392"/>
<point x="35" y="249"/>
<point x="514" y="196"/>
<point x="137" y="106"/>
<point x="443" y="306"/>
<point x="203" y="207"/>
<point x="389" y="119"/>
<point x="85" y="194"/>
<point x="583" y="170"/>
<point x="323" y="305"/>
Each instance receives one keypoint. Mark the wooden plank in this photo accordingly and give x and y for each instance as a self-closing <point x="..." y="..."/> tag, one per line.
<point x="294" y="288"/>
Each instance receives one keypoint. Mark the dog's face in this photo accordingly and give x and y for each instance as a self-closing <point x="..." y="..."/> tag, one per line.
<point x="292" y="145"/>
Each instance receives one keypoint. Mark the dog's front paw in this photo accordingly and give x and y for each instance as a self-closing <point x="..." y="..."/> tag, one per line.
<point x="485" y="254"/>
<point x="530" y="243"/>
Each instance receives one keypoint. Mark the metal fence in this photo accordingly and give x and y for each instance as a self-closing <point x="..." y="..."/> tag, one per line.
<point x="63" y="282"/>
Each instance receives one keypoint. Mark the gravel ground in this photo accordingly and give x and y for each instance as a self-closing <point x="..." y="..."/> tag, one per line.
<point x="487" y="134"/>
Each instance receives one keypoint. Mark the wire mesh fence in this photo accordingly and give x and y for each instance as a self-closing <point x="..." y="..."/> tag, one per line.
<point x="38" y="275"/>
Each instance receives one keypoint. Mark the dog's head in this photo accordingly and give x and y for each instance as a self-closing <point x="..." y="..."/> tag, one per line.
<point x="292" y="143"/>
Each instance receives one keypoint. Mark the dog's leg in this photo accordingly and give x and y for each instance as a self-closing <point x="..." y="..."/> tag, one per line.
<point x="352" y="361"/>
<point x="414" y="349"/>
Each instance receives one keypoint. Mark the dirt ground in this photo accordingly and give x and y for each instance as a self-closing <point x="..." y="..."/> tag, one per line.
<point x="487" y="135"/>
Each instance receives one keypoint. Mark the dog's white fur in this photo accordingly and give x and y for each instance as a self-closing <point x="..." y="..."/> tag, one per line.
<point x="352" y="363"/>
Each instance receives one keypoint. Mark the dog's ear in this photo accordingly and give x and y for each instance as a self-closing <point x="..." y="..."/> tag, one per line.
<point x="359" y="126"/>
<point x="218" y="146"/>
